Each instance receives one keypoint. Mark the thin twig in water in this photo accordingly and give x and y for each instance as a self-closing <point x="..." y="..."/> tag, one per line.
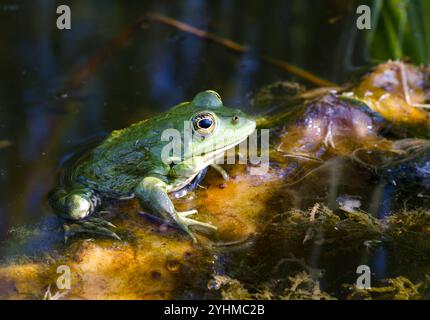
<point x="239" y="48"/>
<point x="313" y="212"/>
<point x="94" y="62"/>
<point x="405" y="86"/>
<point x="310" y="231"/>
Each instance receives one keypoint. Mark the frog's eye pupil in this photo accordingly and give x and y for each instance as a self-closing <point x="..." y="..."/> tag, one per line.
<point x="205" y="123"/>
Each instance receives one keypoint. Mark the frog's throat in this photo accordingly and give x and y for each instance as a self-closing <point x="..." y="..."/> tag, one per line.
<point x="210" y="157"/>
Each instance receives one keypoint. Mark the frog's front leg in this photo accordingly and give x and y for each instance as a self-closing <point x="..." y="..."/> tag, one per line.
<point x="153" y="193"/>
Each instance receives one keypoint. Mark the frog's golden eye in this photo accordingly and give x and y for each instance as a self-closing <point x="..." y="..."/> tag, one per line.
<point x="204" y="123"/>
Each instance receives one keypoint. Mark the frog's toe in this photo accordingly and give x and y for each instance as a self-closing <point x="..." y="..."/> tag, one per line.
<point x="192" y="222"/>
<point x="100" y="221"/>
<point x="185" y="223"/>
<point x="191" y="234"/>
<point x="91" y="225"/>
<point x="184" y="214"/>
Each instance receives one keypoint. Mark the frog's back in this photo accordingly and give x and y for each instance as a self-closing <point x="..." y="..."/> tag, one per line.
<point x="118" y="164"/>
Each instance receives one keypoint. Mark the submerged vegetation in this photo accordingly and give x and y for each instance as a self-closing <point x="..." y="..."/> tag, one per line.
<point x="281" y="270"/>
<point x="300" y="286"/>
<point x="399" y="288"/>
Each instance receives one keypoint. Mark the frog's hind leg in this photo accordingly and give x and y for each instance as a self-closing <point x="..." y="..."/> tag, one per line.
<point x="76" y="206"/>
<point x="76" y="203"/>
<point x="152" y="193"/>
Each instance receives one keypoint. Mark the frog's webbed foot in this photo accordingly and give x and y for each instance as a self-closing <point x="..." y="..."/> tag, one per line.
<point x="152" y="193"/>
<point x="184" y="222"/>
<point x="90" y="225"/>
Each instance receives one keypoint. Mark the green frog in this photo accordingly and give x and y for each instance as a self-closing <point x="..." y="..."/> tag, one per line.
<point x="137" y="162"/>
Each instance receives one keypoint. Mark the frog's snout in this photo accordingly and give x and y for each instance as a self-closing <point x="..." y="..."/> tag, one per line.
<point x="243" y="122"/>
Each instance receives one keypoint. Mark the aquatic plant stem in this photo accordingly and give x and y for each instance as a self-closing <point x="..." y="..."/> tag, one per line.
<point x="238" y="48"/>
<point x="94" y="62"/>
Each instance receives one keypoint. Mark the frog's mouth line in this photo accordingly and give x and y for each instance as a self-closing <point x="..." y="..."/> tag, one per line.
<point x="210" y="157"/>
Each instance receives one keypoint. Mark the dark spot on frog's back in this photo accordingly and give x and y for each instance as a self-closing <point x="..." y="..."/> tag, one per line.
<point x="156" y="132"/>
<point x="147" y="144"/>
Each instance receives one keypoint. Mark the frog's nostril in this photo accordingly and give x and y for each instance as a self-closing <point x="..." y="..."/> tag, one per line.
<point x="235" y="119"/>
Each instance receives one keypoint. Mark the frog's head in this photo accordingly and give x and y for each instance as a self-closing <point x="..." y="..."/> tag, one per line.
<point x="215" y="127"/>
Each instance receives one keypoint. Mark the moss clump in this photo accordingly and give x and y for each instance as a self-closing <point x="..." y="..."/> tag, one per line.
<point x="296" y="231"/>
<point x="301" y="286"/>
<point x="304" y="287"/>
<point x="323" y="244"/>
<point x="417" y="220"/>
<point x="399" y="288"/>
<point x="408" y="237"/>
